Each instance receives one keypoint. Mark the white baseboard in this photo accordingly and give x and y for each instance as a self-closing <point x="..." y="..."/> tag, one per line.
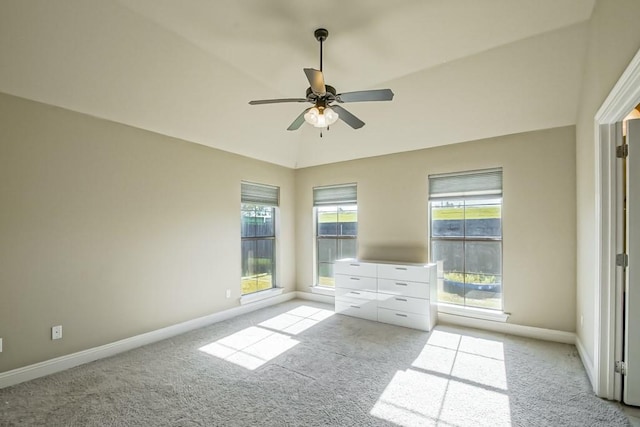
<point x="61" y="363"/>
<point x="327" y="299"/>
<point x="509" y="328"/>
<point x="586" y="361"/>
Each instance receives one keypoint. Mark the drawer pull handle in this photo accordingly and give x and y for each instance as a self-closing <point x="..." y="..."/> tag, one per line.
<point x="401" y="268"/>
<point x="354" y="278"/>
<point x="401" y="299"/>
<point x="354" y="265"/>
<point x="401" y="315"/>
<point x="354" y="292"/>
<point x="354" y="306"/>
<point x="401" y="284"/>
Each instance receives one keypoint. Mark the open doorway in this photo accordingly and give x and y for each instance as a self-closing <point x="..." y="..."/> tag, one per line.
<point x="609" y="329"/>
<point x="628" y="259"/>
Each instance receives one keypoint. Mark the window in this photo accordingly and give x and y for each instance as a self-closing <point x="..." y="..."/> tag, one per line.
<point x="466" y="237"/>
<point x="258" y="231"/>
<point x="336" y="218"/>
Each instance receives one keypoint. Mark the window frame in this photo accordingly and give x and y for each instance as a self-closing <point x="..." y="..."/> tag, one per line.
<point x="331" y="196"/>
<point x="255" y="197"/>
<point x="337" y="237"/>
<point x="462" y="198"/>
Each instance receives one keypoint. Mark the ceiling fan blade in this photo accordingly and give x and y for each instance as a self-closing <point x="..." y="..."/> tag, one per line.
<point x="276" y="101"/>
<point x="366" y="95"/>
<point x="316" y="81"/>
<point x="347" y="117"/>
<point x="298" y="121"/>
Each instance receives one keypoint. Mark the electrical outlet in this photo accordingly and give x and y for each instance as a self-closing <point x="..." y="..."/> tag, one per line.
<point x="56" y="332"/>
<point x="228" y="293"/>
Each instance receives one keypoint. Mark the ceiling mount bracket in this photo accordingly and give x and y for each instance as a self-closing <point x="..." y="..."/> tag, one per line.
<point x="321" y="34"/>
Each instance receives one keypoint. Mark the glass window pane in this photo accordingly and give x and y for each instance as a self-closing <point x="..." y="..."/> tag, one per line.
<point x="249" y="283"/>
<point x="447" y="218"/>
<point x="325" y="274"/>
<point x="327" y="221"/>
<point x="484" y="291"/>
<point x="248" y="252"/>
<point x="258" y="255"/>
<point x="470" y="255"/>
<point x="483" y="258"/>
<point x="333" y="222"/>
<point x="327" y="249"/>
<point x="248" y="215"/>
<point x="264" y="221"/>
<point x="264" y="256"/>
<point x="451" y="254"/>
<point x="346" y="248"/>
<point x="483" y="218"/>
<point x="264" y="263"/>
<point x="348" y="220"/>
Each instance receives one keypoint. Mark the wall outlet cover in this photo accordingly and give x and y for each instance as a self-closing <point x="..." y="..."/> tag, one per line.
<point x="56" y="332"/>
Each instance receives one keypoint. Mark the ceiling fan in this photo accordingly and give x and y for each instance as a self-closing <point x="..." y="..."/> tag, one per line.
<point x="324" y="113"/>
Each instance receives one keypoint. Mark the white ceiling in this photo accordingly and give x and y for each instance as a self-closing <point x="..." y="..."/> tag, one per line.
<point x="460" y="70"/>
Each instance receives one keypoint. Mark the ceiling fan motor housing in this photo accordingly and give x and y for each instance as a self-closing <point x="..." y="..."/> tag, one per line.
<point x="330" y="96"/>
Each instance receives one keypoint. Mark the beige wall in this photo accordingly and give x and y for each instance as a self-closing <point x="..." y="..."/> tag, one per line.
<point x="539" y="214"/>
<point x="613" y="41"/>
<point x="112" y="231"/>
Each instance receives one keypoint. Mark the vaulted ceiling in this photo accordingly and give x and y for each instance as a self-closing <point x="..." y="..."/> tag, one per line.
<point x="460" y="70"/>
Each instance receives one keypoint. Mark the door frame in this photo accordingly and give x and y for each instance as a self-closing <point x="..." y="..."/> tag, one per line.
<point x="624" y="96"/>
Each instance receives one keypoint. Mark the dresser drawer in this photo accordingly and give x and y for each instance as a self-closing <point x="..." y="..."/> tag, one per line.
<point x="355" y="268"/>
<point x="367" y="310"/>
<point x="356" y="282"/>
<point x="404" y="304"/>
<point x="409" y="273"/>
<point x="404" y="288"/>
<point x="408" y="320"/>
<point x="354" y="295"/>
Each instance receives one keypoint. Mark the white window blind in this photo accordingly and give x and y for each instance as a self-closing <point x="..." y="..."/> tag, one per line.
<point x="466" y="184"/>
<point x="260" y="194"/>
<point x="335" y="195"/>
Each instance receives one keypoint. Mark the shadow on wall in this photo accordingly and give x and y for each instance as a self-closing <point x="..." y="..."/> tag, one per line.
<point x="399" y="253"/>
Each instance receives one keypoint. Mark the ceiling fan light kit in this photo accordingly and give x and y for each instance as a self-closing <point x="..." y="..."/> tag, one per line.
<point x="321" y="117"/>
<point x="323" y="114"/>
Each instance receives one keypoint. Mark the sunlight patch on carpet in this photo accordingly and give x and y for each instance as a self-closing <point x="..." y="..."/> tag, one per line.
<point x="412" y="398"/>
<point x="251" y="347"/>
<point x="450" y="369"/>
<point x="297" y="320"/>
<point x="254" y="346"/>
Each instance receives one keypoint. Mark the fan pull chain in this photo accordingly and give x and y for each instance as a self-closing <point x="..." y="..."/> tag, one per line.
<point x="321" y="131"/>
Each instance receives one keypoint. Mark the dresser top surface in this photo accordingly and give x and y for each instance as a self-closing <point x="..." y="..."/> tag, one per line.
<point x="370" y="261"/>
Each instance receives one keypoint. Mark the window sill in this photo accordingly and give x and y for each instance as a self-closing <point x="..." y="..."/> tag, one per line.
<point x="261" y="295"/>
<point x="476" y="313"/>
<point x="321" y="290"/>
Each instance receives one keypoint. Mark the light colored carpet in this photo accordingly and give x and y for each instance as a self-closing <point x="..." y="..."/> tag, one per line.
<point x="297" y="364"/>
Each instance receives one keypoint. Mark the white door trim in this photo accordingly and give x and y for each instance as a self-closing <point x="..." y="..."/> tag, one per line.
<point x="624" y="96"/>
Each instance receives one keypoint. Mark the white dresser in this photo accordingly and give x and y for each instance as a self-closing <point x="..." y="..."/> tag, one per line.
<point x="400" y="294"/>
